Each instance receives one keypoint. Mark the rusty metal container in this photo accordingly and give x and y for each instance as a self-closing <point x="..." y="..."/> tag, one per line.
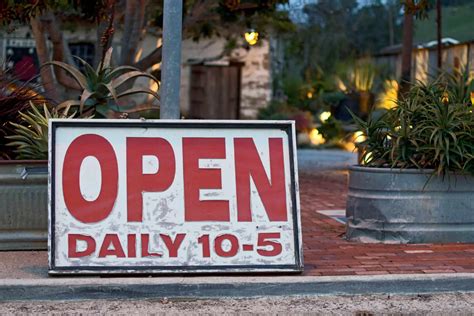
<point x="23" y="205"/>
<point x="409" y="206"/>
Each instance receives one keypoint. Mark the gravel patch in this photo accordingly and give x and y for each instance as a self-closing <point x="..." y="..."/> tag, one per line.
<point x="439" y="304"/>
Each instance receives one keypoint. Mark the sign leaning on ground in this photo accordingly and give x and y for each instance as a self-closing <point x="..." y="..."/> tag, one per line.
<point x="132" y="196"/>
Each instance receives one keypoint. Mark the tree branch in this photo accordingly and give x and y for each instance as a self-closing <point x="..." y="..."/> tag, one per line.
<point x="119" y="12"/>
<point x="42" y="52"/>
<point x="137" y="31"/>
<point x="200" y="11"/>
<point x="149" y="60"/>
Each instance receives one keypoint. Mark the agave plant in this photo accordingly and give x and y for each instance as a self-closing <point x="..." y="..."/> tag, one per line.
<point x="31" y="136"/>
<point x="102" y="87"/>
<point x="359" y="77"/>
<point x="431" y="128"/>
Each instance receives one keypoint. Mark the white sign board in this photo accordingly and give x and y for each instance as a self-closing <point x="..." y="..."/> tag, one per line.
<point x="130" y="196"/>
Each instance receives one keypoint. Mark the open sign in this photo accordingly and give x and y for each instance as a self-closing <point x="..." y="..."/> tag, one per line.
<point x="131" y="196"/>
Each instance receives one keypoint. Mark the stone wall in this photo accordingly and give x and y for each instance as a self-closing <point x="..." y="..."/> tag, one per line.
<point x="256" y="79"/>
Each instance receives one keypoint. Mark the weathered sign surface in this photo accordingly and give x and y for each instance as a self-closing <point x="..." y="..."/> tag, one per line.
<point x="131" y="196"/>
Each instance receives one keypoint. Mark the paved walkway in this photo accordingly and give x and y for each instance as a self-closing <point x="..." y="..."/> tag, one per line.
<point x="323" y="184"/>
<point x="327" y="253"/>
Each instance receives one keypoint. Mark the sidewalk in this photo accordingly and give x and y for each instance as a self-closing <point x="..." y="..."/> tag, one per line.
<point x="326" y="253"/>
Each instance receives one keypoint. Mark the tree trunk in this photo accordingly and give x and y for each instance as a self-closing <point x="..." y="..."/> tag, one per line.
<point x="133" y="30"/>
<point x="407" y="50"/>
<point x="439" y="36"/>
<point x="46" y="73"/>
<point x="60" y="52"/>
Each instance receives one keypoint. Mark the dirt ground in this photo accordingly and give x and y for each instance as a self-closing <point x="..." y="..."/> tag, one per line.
<point x="439" y="304"/>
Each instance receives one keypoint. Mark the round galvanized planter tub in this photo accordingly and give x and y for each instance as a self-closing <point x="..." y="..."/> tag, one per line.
<point x="407" y="206"/>
<point x="23" y="205"/>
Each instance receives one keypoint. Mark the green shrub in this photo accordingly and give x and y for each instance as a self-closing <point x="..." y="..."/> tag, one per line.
<point x="431" y="128"/>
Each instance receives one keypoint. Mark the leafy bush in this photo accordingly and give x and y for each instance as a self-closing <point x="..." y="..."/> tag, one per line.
<point x="279" y="110"/>
<point x="332" y="131"/>
<point x="431" y="128"/>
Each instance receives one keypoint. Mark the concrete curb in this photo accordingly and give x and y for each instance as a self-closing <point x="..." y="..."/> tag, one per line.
<point x="219" y="287"/>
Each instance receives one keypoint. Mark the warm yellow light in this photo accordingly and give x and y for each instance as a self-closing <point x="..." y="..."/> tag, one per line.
<point x="341" y="85"/>
<point x="472" y="98"/>
<point x="325" y="116"/>
<point x="251" y="37"/>
<point x="445" y="98"/>
<point x="388" y="98"/>
<point x="350" y="143"/>
<point x="309" y="95"/>
<point x="316" y="137"/>
<point x="358" y="137"/>
<point x="348" y="146"/>
<point x="367" y="158"/>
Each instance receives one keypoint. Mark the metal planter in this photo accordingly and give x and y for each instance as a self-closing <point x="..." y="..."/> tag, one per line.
<point x="409" y="206"/>
<point x="23" y="205"/>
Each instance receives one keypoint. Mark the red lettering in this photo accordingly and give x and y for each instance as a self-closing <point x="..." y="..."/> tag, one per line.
<point x="206" y="248"/>
<point x="72" y="246"/>
<point x="81" y="209"/>
<point x="196" y="178"/>
<point x="234" y="245"/>
<point x="173" y="246"/>
<point x="263" y="241"/>
<point x="146" y="246"/>
<point x="249" y="165"/>
<point x="137" y="182"/>
<point x="114" y="241"/>
<point x="132" y="245"/>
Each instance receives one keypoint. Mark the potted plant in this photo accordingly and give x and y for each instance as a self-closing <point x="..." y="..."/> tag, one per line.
<point x="24" y="181"/>
<point x="415" y="181"/>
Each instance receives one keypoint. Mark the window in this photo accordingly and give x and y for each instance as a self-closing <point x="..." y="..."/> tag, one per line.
<point x="84" y="51"/>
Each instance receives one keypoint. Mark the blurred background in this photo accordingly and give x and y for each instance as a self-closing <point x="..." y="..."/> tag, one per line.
<point x="306" y="60"/>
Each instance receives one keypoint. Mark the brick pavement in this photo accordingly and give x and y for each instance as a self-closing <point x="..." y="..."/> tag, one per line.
<point x="326" y="252"/>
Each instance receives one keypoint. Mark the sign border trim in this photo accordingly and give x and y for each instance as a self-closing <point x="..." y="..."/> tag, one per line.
<point x="286" y="126"/>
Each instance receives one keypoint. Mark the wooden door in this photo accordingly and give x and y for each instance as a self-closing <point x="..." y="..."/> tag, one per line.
<point x="215" y="92"/>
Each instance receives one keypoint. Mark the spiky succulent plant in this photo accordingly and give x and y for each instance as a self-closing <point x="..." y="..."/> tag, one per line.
<point x="31" y="135"/>
<point x="103" y="87"/>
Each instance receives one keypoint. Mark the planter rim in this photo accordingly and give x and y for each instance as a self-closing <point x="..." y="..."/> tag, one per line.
<point x="398" y="170"/>
<point x="23" y="162"/>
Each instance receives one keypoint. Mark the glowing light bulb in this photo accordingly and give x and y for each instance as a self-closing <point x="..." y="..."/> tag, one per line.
<point x="359" y="137"/>
<point x="325" y="116"/>
<point x="251" y="37"/>
<point x="316" y="137"/>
